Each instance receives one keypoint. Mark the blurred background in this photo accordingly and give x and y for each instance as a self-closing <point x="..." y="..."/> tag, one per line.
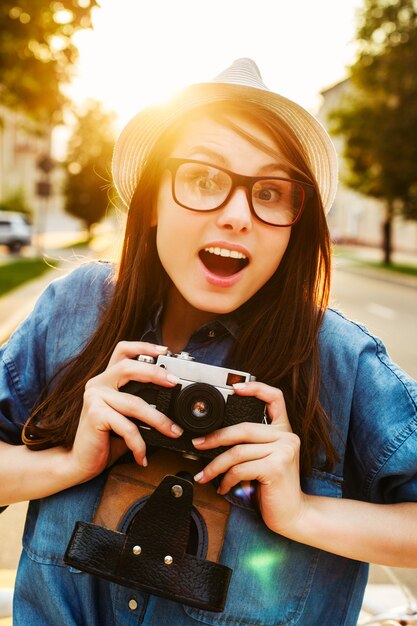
<point x="72" y="72"/>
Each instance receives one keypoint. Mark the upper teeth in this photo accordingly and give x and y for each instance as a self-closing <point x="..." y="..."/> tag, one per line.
<point x="225" y="252"/>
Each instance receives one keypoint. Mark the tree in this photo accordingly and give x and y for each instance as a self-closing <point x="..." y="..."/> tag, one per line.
<point x="15" y="202"/>
<point x="88" y="164"/>
<point x="379" y="119"/>
<point x="37" y="54"/>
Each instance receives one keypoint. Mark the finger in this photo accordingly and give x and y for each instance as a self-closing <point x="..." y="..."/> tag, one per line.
<point x="245" y="432"/>
<point x="131" y="349"/>
<point x="134" y="406"/>
<point x="233" y="457"/>
<point x="248" y="471"/>
<point x="129" y="369"/>
<point x="273" y="467"/>
<point x="128" y="431"/>
<point x="273" y="397"/>
<point x="99" y="420"/>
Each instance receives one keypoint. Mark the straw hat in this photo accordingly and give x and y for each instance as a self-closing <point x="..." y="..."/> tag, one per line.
<point x="241" y="81"/>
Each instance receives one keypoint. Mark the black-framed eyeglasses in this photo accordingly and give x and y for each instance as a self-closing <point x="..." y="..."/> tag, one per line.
<point x="200" y="186"/>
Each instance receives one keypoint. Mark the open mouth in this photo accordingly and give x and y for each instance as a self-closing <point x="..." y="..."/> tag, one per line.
<point x="223" y="262"/>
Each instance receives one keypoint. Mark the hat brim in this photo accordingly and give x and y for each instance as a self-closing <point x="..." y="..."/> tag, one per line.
<point x="141" y="133"/>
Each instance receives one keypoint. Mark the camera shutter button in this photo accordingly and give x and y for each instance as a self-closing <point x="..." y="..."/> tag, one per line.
<point x="145" y="358"/>
<point x="185" y="356"/>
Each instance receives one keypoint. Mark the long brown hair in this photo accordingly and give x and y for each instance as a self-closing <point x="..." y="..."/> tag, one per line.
<point x="278" y="342"/>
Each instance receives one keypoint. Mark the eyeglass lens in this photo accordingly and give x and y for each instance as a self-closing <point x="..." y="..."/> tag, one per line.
<point x="203" y="187"/>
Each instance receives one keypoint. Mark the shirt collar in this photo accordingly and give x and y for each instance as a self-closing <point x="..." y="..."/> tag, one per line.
<point x="229" y="321"/>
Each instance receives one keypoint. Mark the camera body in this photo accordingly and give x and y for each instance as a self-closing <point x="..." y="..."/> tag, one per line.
<point x="201" y="402"/>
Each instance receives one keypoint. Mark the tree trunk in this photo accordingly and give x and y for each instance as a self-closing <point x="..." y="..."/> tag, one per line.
<point x="387" y="232"/>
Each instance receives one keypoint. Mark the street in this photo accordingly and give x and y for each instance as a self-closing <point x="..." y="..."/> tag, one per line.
<point x="387" y="309"/>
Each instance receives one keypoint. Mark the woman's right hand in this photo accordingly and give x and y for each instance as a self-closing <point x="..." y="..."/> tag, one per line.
<point x="106" y="409"/>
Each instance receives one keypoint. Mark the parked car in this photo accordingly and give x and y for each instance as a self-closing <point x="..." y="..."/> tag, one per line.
<point x="15" y="230"/>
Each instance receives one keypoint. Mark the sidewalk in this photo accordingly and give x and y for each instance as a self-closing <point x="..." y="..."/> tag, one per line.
<point x="354" y="259"/>
<point x="372" y="253"/>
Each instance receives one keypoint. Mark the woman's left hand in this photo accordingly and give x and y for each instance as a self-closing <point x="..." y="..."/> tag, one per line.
<point x="267" y="453"/>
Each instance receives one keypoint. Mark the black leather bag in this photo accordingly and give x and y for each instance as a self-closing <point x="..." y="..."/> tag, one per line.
<point x="161" y="541"/>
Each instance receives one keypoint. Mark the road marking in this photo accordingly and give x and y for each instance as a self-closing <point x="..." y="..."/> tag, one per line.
<point x="381" y="311"/>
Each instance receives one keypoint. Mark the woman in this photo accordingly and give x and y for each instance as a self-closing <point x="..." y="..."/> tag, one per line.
<point x="227" y="256"/>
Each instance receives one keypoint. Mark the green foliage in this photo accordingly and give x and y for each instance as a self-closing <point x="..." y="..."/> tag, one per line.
<point x="17" y="272"/>
<point x="15" y="202"/>
<point x="379" y="118"/>
<point x="88" y="164"/>
<point x="37" y="54"/>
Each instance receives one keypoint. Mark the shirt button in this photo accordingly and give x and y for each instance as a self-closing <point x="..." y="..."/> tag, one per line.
<point x="133" y="605"/>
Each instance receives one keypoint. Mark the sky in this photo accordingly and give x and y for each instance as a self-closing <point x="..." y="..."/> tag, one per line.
<point x="143" y="51"/>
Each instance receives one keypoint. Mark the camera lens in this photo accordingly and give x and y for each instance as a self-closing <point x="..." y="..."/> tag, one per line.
<point x="199" y="408"/>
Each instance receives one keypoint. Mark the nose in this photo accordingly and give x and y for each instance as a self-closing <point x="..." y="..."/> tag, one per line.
<point x="236" y="214"/>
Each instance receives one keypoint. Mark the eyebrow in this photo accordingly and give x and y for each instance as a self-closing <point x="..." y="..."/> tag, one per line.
<point x="210" y="154"/>
<point x="222" y="161"/>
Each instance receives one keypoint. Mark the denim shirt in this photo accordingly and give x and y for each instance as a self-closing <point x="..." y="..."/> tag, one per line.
<point x="275" y="581"/>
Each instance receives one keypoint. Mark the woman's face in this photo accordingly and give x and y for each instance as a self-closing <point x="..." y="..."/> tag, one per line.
<point x="202" y="251"/>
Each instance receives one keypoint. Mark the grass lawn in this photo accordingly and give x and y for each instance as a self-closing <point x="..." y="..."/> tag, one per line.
<point x="17" y="272"/>
<point x="401" y="268"/>
<point x="355" y="255"/>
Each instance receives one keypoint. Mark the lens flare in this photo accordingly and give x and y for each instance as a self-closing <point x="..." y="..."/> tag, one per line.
<point x="244" y="491"/>
<point x="263" y="563"/>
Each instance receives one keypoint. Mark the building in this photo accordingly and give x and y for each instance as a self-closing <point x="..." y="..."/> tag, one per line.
<point x="21" y="149"/>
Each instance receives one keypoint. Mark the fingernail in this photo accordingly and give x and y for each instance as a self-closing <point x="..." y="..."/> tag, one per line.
<point x="145" y="462"/>
<point x="239" y="385"/>
<point x="172" y="379"/>
<point x="198" y="476"/>
<point x="161" y="349"/>
<point x="177" y="430"/>
<point x="198" y="441"/>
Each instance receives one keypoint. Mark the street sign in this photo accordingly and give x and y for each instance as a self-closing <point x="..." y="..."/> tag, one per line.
<point x="43" y="189"/>
<point x="45" y="163"/>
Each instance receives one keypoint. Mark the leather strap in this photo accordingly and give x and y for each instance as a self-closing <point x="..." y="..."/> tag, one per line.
<point x="151" y="556"/>
<point x="129" y="482"/>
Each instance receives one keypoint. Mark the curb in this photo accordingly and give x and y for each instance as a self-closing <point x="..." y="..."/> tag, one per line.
<point x="357" y="267"/>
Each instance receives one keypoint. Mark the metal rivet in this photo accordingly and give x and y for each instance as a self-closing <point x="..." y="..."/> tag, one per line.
<point x="212" y="333"/>
<point x="168" y="560"/>
<point x="137" y="550"/>
<point x="133" y="605"/>
<point x="177" y="491"/>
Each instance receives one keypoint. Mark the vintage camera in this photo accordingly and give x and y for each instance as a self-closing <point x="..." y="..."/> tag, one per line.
<point x="203" y="401"/>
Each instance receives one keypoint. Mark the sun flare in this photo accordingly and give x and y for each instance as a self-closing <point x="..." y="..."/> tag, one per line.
<point x="142" y="53"/>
